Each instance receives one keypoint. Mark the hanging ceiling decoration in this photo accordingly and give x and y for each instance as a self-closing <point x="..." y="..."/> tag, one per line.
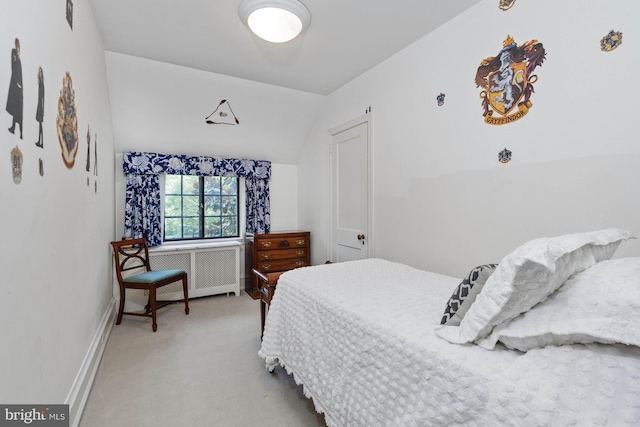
<point x="222" y="115"/>
<point x="276" y="21"/>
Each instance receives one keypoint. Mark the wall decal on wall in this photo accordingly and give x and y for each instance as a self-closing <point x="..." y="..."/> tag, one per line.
<point x="15" y="100"/>
<point x="224" y="114"/>
<point x="70" y="13"/>
<point x="506" y="4"/>
<point x="508" y="78"/>
<point x="611" y="41"/>
<point x="95" y="155"/>
<point x="88" y="165"/>
<point x="504" y="156"/>
<point x="16" y="165"/>
<point x="40" y="107"/>
<point x="67" y="122"/>
<point x="440" y="99"/>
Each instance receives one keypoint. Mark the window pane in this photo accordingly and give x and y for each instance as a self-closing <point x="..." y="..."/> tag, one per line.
<point x="191" y="205"/>
<point x="229" y="226"/>
<point x="212" y="227"/>
<point x="211" y="185"/>
<point x="229" y="186"/>
<point x="191" y="185"/>
<point x="172" y="206"/>
<point x="191" y="228"/>
<point x="212" y="205"/>
<point x="229" y="205"/>
<point x="172" y="228"/>
<point x="173" y="184"/>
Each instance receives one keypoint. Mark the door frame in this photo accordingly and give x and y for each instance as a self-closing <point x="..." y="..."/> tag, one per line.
<point x="368" y="119"/>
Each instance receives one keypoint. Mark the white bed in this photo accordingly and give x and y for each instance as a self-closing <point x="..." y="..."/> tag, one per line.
<point x="364" y="338"/>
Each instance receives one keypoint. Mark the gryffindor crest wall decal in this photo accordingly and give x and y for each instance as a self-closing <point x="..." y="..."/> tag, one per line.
<point x="507" y="81"/>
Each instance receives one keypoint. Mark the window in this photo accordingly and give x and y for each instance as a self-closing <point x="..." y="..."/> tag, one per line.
<point x="200" y="207"/>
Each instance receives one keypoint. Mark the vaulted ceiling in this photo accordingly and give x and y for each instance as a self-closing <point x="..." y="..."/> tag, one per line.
<point x="345" y="38"/>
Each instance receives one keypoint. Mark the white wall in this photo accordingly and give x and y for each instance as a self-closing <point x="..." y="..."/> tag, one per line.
<point x="55" y="257"/>
<point x="442" y="201"/>
<point x="161" y="107"/>
<point x="283" y="187"/>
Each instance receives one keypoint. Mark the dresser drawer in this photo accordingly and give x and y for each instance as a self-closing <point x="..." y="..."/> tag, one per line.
<point x="281" y="243"/>
<point x="281" y="254"/>
<point x="280" y="265"/>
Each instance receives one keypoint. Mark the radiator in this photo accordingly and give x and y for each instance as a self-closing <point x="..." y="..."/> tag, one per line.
<point x="211" y="268"/>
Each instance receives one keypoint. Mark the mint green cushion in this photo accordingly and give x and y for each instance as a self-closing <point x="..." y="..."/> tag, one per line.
<point x="152" y="276"/>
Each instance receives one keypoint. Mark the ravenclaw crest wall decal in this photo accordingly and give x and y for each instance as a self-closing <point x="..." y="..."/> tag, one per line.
<point x="506" y="4"/>
<point x="507" y="80"/>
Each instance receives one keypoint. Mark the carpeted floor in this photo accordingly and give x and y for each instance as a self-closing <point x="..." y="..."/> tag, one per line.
<point x="196" y="370"/>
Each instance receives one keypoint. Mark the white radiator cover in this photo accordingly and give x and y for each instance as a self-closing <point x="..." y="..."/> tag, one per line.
<point x="212" y="268"/>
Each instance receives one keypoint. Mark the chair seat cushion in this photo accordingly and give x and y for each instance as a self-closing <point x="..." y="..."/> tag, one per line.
<point x="153" y="276"/>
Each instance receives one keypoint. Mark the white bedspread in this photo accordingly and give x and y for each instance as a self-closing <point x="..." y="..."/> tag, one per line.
<point x="360" y="338"/>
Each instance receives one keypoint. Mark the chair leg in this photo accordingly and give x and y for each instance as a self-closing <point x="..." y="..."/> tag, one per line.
<point x="185" y="289"/>
<point x="120" y="306"/>
<point x="147" y="308"/>
<point x="152" y="303"/>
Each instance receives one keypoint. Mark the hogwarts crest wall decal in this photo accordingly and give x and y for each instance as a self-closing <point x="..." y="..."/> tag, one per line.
<point x="506" y="4"/>
<point x="507" y="81"/>
<point x="611" y="41"/>
<point x="67" y="122"/>
<point x="16" y="165"/>
<point x="504" y="156"/>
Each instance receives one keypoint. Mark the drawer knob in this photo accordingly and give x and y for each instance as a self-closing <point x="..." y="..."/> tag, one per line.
<point x="266" y="244"/>
<point x="266" y="255"/>
<point x="265" y="267"/>
<point x="300" y="263"/>
<point x="300" y="253"/>
<point x="300" y="242"/>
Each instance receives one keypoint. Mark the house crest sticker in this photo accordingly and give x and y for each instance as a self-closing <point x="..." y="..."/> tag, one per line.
<point x="507" y="81"/>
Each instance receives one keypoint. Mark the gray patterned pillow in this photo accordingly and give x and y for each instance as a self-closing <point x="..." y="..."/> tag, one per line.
<point x="465" y="294"/>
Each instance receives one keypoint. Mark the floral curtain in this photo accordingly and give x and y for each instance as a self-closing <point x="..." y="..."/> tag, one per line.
<point x="257" y="190"/>
<point x="142" y="203"/>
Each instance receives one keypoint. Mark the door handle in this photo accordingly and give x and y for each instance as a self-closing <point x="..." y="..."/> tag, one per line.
<point x="361" y="238"/>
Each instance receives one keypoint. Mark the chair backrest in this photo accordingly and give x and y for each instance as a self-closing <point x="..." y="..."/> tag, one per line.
<point x="131" y="255"/>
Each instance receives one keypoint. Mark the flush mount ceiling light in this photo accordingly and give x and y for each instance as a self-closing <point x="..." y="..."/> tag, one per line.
<point x="276" y="21"/>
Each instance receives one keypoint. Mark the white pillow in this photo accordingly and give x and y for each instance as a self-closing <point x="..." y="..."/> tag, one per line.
<point x="600" y="304"/>
<point x="528" y="275"/>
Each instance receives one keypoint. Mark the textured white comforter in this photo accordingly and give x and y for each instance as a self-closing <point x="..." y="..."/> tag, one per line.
<point x="360" y="338"/>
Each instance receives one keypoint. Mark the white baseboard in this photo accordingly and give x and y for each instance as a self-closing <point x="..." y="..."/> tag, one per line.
<point x="77" y="397"/>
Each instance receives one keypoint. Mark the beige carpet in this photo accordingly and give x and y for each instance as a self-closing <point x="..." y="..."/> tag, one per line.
<point x="196" y="370"/>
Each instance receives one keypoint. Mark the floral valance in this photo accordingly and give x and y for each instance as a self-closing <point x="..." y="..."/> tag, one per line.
<point x="139" y="163"/>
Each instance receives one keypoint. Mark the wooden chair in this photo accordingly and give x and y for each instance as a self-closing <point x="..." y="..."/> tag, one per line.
<point x="133" y="254"/>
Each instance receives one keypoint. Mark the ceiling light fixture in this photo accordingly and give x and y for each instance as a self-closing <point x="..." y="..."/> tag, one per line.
<point x="276" y="21"/>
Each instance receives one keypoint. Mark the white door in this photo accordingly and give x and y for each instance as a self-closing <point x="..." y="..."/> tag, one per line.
<point x="350" y="193"/>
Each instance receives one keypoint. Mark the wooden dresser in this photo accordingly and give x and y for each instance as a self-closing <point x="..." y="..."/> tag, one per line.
<point x="274" y="252"/>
